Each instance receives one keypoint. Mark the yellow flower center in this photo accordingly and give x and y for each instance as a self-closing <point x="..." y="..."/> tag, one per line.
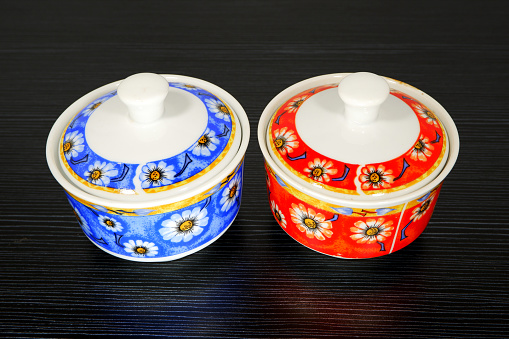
<point x="419" y="145"/>
<point x="317" y="172"/>
<point x="67" y="146"/>
<point x="425" y="206"/>
<point x="431" y="115"/>
<point x="155" y="175"/>
<point x="189" y="86"/>
<point x="278" y="216"/>
<point x="223" y="109"/>
<point x="278" y="142"/>
<point x="96" y="105"/>
<point x="141" y="250"/>
<point x="310" y="223"/>
<point x="372" y="231"/>
<point x="374" y="177"/>
<point x="233" y="191"/>
<point x="203" y="140"/>
<point x="95" y="174"/>
<point x="298" y="103"/>
<point x="109" y="222"/>
<point x="186" y="225"/>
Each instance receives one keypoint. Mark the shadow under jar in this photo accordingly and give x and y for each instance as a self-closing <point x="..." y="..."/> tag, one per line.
<point x="355" y="162"/>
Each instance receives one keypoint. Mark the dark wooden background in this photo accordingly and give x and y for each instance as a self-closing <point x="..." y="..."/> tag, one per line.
<point x="255" y="281"/>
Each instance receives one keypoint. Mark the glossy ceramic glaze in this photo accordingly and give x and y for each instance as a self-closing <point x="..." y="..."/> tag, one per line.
<point x="348" y="209"/>
<point x="165" y="232"/>
<point x="344" y="231"/>
<point x="169" y="182"/>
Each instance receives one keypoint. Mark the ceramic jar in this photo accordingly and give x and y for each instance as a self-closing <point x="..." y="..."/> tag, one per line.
<point x="152" y="165"/>
<point x="355" y="162"/>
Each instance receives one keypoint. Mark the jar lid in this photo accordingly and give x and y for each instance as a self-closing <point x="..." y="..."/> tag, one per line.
<point x="358" y="138"/>
<point x="149" y="136"/>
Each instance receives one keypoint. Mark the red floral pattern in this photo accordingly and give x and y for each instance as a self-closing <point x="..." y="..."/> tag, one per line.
<point x="360" y="234"/>
<point x="411" y="167"/>
<point x="375" y="177"/>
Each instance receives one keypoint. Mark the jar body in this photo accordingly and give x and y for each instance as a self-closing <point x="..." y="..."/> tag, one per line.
<point x="166" y="232"/>
<point x="345" y="231"/>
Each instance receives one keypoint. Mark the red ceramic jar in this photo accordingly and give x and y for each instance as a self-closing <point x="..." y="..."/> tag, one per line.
<point x="355" y="162"/>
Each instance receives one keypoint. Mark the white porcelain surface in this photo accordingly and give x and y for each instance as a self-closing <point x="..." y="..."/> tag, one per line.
<point x="322" y="123"/>
<point x="362" y="94"/>
<point x="115" y="136"/>
<point x="144" y="96"/>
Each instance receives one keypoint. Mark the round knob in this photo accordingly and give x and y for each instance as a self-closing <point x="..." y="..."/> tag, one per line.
<point x="144" y="95"/>
<point x="363" y="93"/>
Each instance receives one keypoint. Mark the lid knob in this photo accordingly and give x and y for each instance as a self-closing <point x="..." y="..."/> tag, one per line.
<point x="363" y="93"/>
<point x="144" y="95"/>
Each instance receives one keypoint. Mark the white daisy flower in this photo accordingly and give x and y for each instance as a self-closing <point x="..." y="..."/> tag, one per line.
<point x="373" y="177"/>
<point x="230" y="193"/>
<point x="426" y="114"/>
<point x="141" y="248"/>
<point x="206" y="143"/>
<point x="320" y="170"/>
<point x="73" y="144"/>
<point x="218" y="107"/>
<point x="421" y="150"/>
<point x="156" y="174"/>
<point x="110" y="223"/>
<point x="314" y="224"/>
<point x="83" y="223"/>
<point x="183" y="227"/>
<point x="295" y="104"/>
<point x="371" y="231"/>
<point x="280" y="217"/>
<point x="418" y="212"/>
<point x="100" y="173"/>
<point x="285" y="141"/>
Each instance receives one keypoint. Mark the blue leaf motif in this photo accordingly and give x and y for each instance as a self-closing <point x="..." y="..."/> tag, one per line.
<point x="100" y="208"/>
<point x="384" y="211"/>
<point x="343" y="210"/>
<point x="424" y="197"/>
<point x="143" y="211"/>
<point x="278" y="179"/>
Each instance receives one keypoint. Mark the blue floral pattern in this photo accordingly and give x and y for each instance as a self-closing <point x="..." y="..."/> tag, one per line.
<point x="82" y="161"/>
<point x="110" y="223"/>
<point x="185" y="226"/>
<point x="217" y="107"/>
<point x="153" y="175"/>
<point x="100" y="173"/>
<point x="141" y="248"/>
<point x="146" y="235"/>
<point x="231" y="193"/>
<point x="73" y="144"/>
<point x="206" y="144"/>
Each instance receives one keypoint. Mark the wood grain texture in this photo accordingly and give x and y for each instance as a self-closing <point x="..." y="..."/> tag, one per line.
<point x="255" y="281"/>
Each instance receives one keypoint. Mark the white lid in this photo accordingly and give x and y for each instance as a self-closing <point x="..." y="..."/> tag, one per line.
<point x="356" y="137"/>
<point x="149" y="137"/>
